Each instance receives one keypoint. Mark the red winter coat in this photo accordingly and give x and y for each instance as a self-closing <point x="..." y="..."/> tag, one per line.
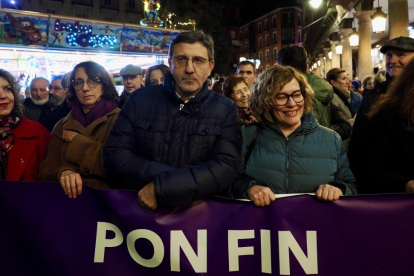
<point x="29" y="150"/>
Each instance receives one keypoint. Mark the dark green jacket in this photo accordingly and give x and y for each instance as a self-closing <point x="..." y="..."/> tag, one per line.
<point x="321" y="101"/>
<point x="312" y="155"/>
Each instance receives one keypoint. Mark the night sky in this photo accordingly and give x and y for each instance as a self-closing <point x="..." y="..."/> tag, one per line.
<point x="250" y="11"/>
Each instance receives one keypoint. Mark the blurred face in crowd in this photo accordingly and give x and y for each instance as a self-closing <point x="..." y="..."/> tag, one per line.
<point x="247" y="72"/>
<point x="342" y="81"/>
<point x="370" y="84"/>
<point x="132" y="83"/>
<point x="396" y="60"/>
<point x="56" y="92"/>
<point x="6" y="98"/>
<point x="156" y="77"/>
<point x="241" y="95"/>
<point x="288" y="111"/>
<point x="190" y="67"/>
<point x="88" y="90"/>
<point x="39" y="92"/>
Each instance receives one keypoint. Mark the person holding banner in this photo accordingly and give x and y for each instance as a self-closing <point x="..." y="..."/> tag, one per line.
<point x="75" y="152"/>
<point x="288" y="151"/>
<point x="385" y="150"/>
<point x="23" y="142"/>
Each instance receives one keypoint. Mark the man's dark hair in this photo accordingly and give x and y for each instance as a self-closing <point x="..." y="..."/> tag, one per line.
<point x="93" y="70"/>
<point x="191" y="38"/>
<point x="246" y="62"/>
<point x="294" y="56"/>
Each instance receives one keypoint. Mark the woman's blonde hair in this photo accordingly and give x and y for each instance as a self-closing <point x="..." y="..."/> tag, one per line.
<point x="269" y="84"/>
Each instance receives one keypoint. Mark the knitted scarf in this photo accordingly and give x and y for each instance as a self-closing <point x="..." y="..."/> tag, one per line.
<point x="6" y="141"/>
<point x="100" y="109"/>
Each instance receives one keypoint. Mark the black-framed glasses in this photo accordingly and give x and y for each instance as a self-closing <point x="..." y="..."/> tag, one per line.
<point x="283" y="98"/>
<point x="196" y="61"/>
<point x="92" y="83"/>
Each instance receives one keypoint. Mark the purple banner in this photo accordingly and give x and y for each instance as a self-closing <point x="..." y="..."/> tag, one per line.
<point x="42" y="232"/>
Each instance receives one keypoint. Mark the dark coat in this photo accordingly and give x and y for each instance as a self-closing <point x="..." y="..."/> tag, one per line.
<point x="59" y="113"/>
<point x="189" y="153"/>
<point x="312" y="155"/>
<point x="36" y="112"/>
<point x="29" y="150"/>
<point x="122" y="100"/>
<point x="369" y="99"/>
<point x="384" y="156"/>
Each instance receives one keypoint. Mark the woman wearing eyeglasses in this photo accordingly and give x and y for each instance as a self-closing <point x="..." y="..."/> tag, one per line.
<point x="75" y="151"/>
<point x="288" y="151"/>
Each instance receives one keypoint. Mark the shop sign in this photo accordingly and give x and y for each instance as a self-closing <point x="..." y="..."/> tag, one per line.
<point x="24" y="30"/>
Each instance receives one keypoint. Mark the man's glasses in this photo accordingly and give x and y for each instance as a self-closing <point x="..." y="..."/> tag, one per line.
<point x="92" y="83"/>
<point x="283" y="98"/>
<point x="196" y="61"/>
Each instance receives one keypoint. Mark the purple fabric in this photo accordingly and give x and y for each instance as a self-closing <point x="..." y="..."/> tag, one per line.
<point x="100" y="109"/>
<point x="43" y="232"/>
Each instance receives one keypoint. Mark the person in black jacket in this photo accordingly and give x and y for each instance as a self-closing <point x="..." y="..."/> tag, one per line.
<point x="398" y="52"/>
<point x="177" y="142"/>
<point x="385" y="152"/>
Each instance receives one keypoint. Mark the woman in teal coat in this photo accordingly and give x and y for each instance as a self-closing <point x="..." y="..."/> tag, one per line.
<point x="292" y="152"/>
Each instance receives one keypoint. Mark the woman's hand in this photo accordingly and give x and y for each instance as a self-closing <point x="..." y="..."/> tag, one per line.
<point x="261" y="196"/>
<point x="68" y="135"/>
<point x="71" y="183"/>
<point x="328" y="192"/>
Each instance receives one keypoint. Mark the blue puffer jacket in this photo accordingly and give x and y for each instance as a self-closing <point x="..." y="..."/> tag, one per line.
<point x="312" y="155"/>
<point x="189" y="153"/>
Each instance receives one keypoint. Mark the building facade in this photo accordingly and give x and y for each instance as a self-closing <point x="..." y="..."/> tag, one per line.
<point x="262" y="38"/>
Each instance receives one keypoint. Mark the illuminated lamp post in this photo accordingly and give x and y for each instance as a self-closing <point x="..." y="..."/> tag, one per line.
<point x="354" y="38"/>
<point x="379" y="20"/>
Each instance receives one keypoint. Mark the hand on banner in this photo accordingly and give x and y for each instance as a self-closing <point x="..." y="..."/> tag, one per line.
<point x="328" y="192"/>
<point x="409" y="187"/>
<point x="68" y="135"/>
<point x="261" y="196"/>
<point x="71" y="183"/>
<point x="146" y="196"/>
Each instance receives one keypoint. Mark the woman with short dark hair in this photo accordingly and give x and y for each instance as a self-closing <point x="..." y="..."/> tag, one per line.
<point x="75" y="152"/>
<point x="155" y="74"/>
<point x="288" y="151"/>
<point x="23" y="142"/>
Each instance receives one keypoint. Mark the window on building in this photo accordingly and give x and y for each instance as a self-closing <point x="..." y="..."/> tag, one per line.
<point x="246" y="34"/>
<point x="240" y="36"/>
<point x="108" y="18"/>
<point x="260" y="42"/>
<point x="247" y="46"/>
<point x="82" y="15"/>
<point x="274" y="21"/>
<point x="267" y="55"/>
<point x="274" y="53"/>
<point x="51" y="11"/>
<point x="299" y="36"/>
<point x="233" y="34"/>
<point x="259" y="27"/>
<point x="266" y="25"/>
<point x="274" y="37"/>
<point x="107" y="2"/>
<point x="299" y="20"/>
<point x="131" y="4"/>
<point x="260" y="56"/>
<point x="241" y="48"/>
<point x="266" y="40"/>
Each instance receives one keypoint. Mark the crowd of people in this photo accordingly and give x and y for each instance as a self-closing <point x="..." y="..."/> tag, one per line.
<point x="172" y="139"/>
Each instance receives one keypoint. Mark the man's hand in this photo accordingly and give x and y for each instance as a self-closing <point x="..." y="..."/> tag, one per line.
<point x="261" y="196"/>
<point x="71" y="183"/>
<point x="68" y="135"/>
<point x="328" y="192"/>
<point x="146" y="196"/>
<point x="409" y="187"/>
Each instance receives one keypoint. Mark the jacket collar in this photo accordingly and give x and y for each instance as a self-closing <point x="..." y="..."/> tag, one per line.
<point x="308" y="125"/>
<point x="25" y="129"/>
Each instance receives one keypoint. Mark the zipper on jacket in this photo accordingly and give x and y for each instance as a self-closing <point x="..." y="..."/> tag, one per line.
<point x="287" y="166"/>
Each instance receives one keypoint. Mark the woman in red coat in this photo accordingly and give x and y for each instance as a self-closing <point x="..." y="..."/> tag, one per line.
<point x="23" y="143"/>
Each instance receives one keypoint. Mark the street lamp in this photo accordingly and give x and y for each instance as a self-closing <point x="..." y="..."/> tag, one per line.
<point x="315" y="3"/>
<point x="330" y="54"/>
<point x="354" y="38"/>
<point x="338" y="49"/>
<point x="379" y="19"/>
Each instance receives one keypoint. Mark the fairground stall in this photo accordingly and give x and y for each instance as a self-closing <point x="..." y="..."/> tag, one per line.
<point x="41" y="45"/>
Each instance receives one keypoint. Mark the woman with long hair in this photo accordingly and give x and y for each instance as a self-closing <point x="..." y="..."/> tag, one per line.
<point x="155" y="74"/>
<point x="288" y="151"/>
<point x="23" y="142"/>
<point x="384" y="159"/>
<point x="75" y="152"/>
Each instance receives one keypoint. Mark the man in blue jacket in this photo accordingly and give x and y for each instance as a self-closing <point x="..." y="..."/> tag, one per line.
<point x="177" y="142"/>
